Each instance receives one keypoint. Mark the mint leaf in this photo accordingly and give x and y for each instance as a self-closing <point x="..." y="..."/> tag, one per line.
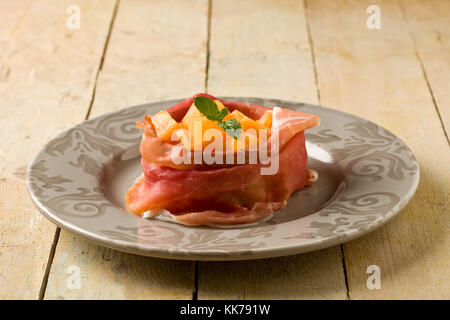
<point x="209" y="109"/>
<point x="223" y="113"/>
<point x="232" y="127"/>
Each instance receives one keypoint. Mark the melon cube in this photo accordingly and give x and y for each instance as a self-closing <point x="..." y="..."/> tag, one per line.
<point x="246" y="122"/>
<point x="246" y="140"/>
<point x="164" y="125"/>
<point x="266" y="119"/>
<point x="219" y="104"/>
<point x="184" y="137"/>
<point x="195" y="121"/>
<point x="194" y="113"/>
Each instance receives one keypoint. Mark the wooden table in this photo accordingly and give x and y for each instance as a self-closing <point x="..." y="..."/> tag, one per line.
<point x="137" y="51"/>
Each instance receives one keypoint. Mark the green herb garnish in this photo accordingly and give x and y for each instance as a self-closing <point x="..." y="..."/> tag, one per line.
<point x="211" y="111"/>
<point x="232" y="127"/>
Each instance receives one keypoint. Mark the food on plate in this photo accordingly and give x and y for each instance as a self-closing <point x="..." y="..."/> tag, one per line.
<point x="208" y="161"/>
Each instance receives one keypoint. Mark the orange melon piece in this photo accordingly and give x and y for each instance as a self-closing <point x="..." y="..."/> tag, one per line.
<point x="194" y="113"/>
<point x="194" y="120"/>
<point x="164" y="125"/>
<point x="184" y="137"/>
<point x="246" y="122"/>
<point x="266" y="119"/>
<point x="191" y="114"/>
<point x="247" y="139"/>
<point x="197" y="130"/>
<point x="219" y="104"/>
<point x="188" y="141"/>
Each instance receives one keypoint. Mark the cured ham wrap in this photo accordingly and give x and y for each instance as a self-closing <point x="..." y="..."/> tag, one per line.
<point x="255" y="168"/>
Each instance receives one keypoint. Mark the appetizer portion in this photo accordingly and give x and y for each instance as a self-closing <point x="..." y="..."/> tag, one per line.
<point x="207" y="161"/>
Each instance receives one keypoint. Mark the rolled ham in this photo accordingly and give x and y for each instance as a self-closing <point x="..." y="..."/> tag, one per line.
<point x="201" y="194"/>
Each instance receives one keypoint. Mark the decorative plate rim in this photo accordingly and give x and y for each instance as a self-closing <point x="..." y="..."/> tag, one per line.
<point x="34" y="185"/>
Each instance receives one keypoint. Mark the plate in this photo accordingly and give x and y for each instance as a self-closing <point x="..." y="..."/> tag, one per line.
<point x="366" y="176"/>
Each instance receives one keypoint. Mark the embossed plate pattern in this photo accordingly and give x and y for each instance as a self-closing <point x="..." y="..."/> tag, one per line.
<point x="366" y="175"/>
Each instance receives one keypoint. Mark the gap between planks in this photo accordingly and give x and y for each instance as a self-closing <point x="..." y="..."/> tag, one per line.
<point x="105" y="48"/>
<point x="422" y="66"/>
<point x="311" y="42"/>
<point x="51" y="255"/>
<point x="195" y="293"/>
<point x="316" y="79"/>
<point x="208" y="41"/>
<point x="91" y="102"/>
<point x="311" y="45"/>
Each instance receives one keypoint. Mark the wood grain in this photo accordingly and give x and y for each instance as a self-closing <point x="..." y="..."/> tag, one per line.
<point x="315" y="275"/>
<point x="261" y="48"/>
<point x="429" y="23"/>
<point x="46" y="82"/>
<point x="157" y="51"/>
<point x="110" y="274"/>
<point x="11" y="22"/>
<point x="51" y="78"/>
<point x="377" y="75"/>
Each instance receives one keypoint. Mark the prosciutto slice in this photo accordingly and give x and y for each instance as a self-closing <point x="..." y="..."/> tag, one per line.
<point x="225" y="194"/>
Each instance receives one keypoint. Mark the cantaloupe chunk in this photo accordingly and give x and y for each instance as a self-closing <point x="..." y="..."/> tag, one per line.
<point x="219" y="104"/>
<point x="194" y="119"/>
<point x="246" y="122"/>
<point x="194" y="113"/>
<point x="247" y="139"/>
<point x="164" y="125"/>
<point x="191" y="114"/>
<point x="266" y="119"/>
<point x="184" y="137"/>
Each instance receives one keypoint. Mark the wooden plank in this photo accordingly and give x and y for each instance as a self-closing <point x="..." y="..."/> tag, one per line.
<point x="110" y="274"/>
<point x="157" y="50"/>
<point x="10" y="22"/>
<point x="376" y="74"/>
<point x="315" y="275"/>
<point x="41" y="93"/>
<point x="261" y="48"/>
<point x="429" y="23"/>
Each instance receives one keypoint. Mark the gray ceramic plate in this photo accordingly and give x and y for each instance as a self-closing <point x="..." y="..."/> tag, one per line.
<point x="366" y="175"/>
